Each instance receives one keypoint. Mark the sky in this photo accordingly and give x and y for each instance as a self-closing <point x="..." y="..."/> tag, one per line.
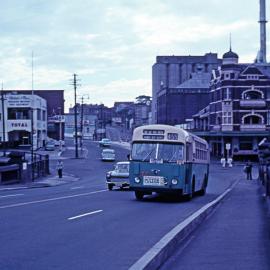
<point x="112" y="44"/>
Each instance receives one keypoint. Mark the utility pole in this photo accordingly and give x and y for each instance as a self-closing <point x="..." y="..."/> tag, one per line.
<point x="3" y="121"/>
<point x="81" y="122"/>
<point x="75" y="114"/>
<point x="60" y="128"/>
<point x="32" y="121"/>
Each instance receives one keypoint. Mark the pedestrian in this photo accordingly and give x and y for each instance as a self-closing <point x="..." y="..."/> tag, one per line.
<point x="60" y="168"/>
<point x="248" y="170"/>
<point x="223" y="161"/>
<point x="230" y="162"/>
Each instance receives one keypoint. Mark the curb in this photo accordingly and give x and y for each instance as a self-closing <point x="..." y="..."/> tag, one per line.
<point x="163" y="249"/>
<point x="51" y="182"/>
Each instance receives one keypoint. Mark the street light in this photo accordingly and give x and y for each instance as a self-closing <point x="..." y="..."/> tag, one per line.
<point x="82" y="97"/>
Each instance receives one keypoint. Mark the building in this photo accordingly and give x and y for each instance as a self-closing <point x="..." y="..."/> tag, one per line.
<point x="85" y="126"/>
<point x="176" y="104"/>
<point x="55" y="109"/>
<point x="178" y="83"/>
<point x="238" y="115"/>
<point x="18" y="122"/>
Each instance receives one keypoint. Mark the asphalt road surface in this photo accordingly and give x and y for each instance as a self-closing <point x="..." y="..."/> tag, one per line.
<point x="82" y="225"/>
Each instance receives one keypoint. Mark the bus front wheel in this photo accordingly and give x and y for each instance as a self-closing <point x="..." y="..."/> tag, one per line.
<point x="139" y="195"/>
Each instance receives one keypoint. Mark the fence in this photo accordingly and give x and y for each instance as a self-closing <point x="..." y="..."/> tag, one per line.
<point x="22" y="168"/>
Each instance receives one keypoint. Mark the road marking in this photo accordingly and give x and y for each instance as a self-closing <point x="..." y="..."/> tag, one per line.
<point x="52" y="199"/>
<point x="12" y="195"/>
<point x="86" y="214"/>
<point x="77" y="187"/>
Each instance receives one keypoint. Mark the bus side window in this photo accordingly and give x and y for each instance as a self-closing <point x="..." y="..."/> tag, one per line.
<point x="189" y="152"/>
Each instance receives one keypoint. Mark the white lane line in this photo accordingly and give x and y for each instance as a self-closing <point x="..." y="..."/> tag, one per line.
<point x="11" y="195"/>
<point x="86" y="214"/>
<point x="79" y="187"/>
<point x="52" y="199"/>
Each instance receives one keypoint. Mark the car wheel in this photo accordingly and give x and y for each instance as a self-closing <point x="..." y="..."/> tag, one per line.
<point x="139" y="195"/>
<point x="110" y="186"/>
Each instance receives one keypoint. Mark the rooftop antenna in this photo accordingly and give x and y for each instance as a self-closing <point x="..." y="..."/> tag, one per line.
<point x="230" y="42"/>
<point x="32" y="73"/>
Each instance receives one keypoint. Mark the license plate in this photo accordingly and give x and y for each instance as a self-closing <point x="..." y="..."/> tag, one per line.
<point x="153" y="181"/>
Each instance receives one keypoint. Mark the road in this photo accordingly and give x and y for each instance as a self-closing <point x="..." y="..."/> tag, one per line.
<point x="82" y="225"/>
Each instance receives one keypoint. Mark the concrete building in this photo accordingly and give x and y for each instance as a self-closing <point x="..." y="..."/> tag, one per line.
<point x="18" y="123"/>
<point x="175" y="81"/>
<point x="55" y="109"/>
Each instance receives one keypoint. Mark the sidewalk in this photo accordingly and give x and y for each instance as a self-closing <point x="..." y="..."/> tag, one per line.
<point x="49" y="181"/>
<point x="236" y="236"/>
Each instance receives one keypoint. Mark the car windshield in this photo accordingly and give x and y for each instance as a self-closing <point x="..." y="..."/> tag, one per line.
<point x="108" y="151"/>
<point x="122" y="168"/>
<point x="167" y="152"/>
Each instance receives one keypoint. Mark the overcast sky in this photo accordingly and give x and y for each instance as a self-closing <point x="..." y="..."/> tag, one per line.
<point x="112" y="44"/>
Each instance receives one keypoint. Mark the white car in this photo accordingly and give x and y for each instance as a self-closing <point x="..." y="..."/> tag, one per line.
<point x="108" y="155"/>
<point x="105" y="142"/>
<point x="119" y="176"/>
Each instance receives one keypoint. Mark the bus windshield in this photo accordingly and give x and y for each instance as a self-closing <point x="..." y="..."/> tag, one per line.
<point x="167" y="152"/>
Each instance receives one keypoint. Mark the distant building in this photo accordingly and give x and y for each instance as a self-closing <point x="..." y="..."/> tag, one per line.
<point x="180" y="85"/>
<point x="142" y="110"/>
<point x="87" y="127"/>
<point x="237" y="117"/>
<point x="18" y="123"/>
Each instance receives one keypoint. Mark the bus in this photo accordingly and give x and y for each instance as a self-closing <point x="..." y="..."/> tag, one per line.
<point x="168" y="159"/>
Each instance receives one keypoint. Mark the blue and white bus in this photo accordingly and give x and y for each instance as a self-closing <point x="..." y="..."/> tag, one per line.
<point x="168" y="159"/>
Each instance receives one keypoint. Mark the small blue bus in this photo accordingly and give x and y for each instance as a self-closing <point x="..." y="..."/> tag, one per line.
<point x="168" y="159"/>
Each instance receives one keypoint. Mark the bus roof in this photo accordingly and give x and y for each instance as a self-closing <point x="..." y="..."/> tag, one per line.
<point x="160" y="133"/>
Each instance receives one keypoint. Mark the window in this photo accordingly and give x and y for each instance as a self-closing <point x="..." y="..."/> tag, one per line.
<point x="227" y="118"/>
<point x="253" y="120"/>
<point x="18" y="113"/>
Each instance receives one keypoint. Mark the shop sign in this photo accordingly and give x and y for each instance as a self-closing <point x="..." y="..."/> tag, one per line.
<point x="18" y="101"/>
<point x="19" y="125"/>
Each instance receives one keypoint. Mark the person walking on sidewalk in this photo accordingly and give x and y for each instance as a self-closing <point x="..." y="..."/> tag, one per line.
<point x="223" y="161"/>
<point x="248" y="170"/>
<point x="60" y="168"/>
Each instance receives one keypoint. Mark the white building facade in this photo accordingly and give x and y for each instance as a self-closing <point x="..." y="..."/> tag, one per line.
<point x="18" y="125"/>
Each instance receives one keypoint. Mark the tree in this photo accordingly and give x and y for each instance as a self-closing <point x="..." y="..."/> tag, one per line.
<point x="143" y="99"/>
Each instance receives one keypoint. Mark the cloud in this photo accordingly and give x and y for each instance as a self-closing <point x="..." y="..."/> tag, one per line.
<point x="112" y="45"/>
<point x="166" y="30"/>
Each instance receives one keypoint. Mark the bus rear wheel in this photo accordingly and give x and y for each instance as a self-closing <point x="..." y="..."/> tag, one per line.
<point x="139" y="195"/>
<point x="191" y="194"/>
<point x="203" y="190"/>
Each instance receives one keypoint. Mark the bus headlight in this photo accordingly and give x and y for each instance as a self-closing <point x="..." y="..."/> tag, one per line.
<point x="137" y="180"/>
<point x="174" y="181"/>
